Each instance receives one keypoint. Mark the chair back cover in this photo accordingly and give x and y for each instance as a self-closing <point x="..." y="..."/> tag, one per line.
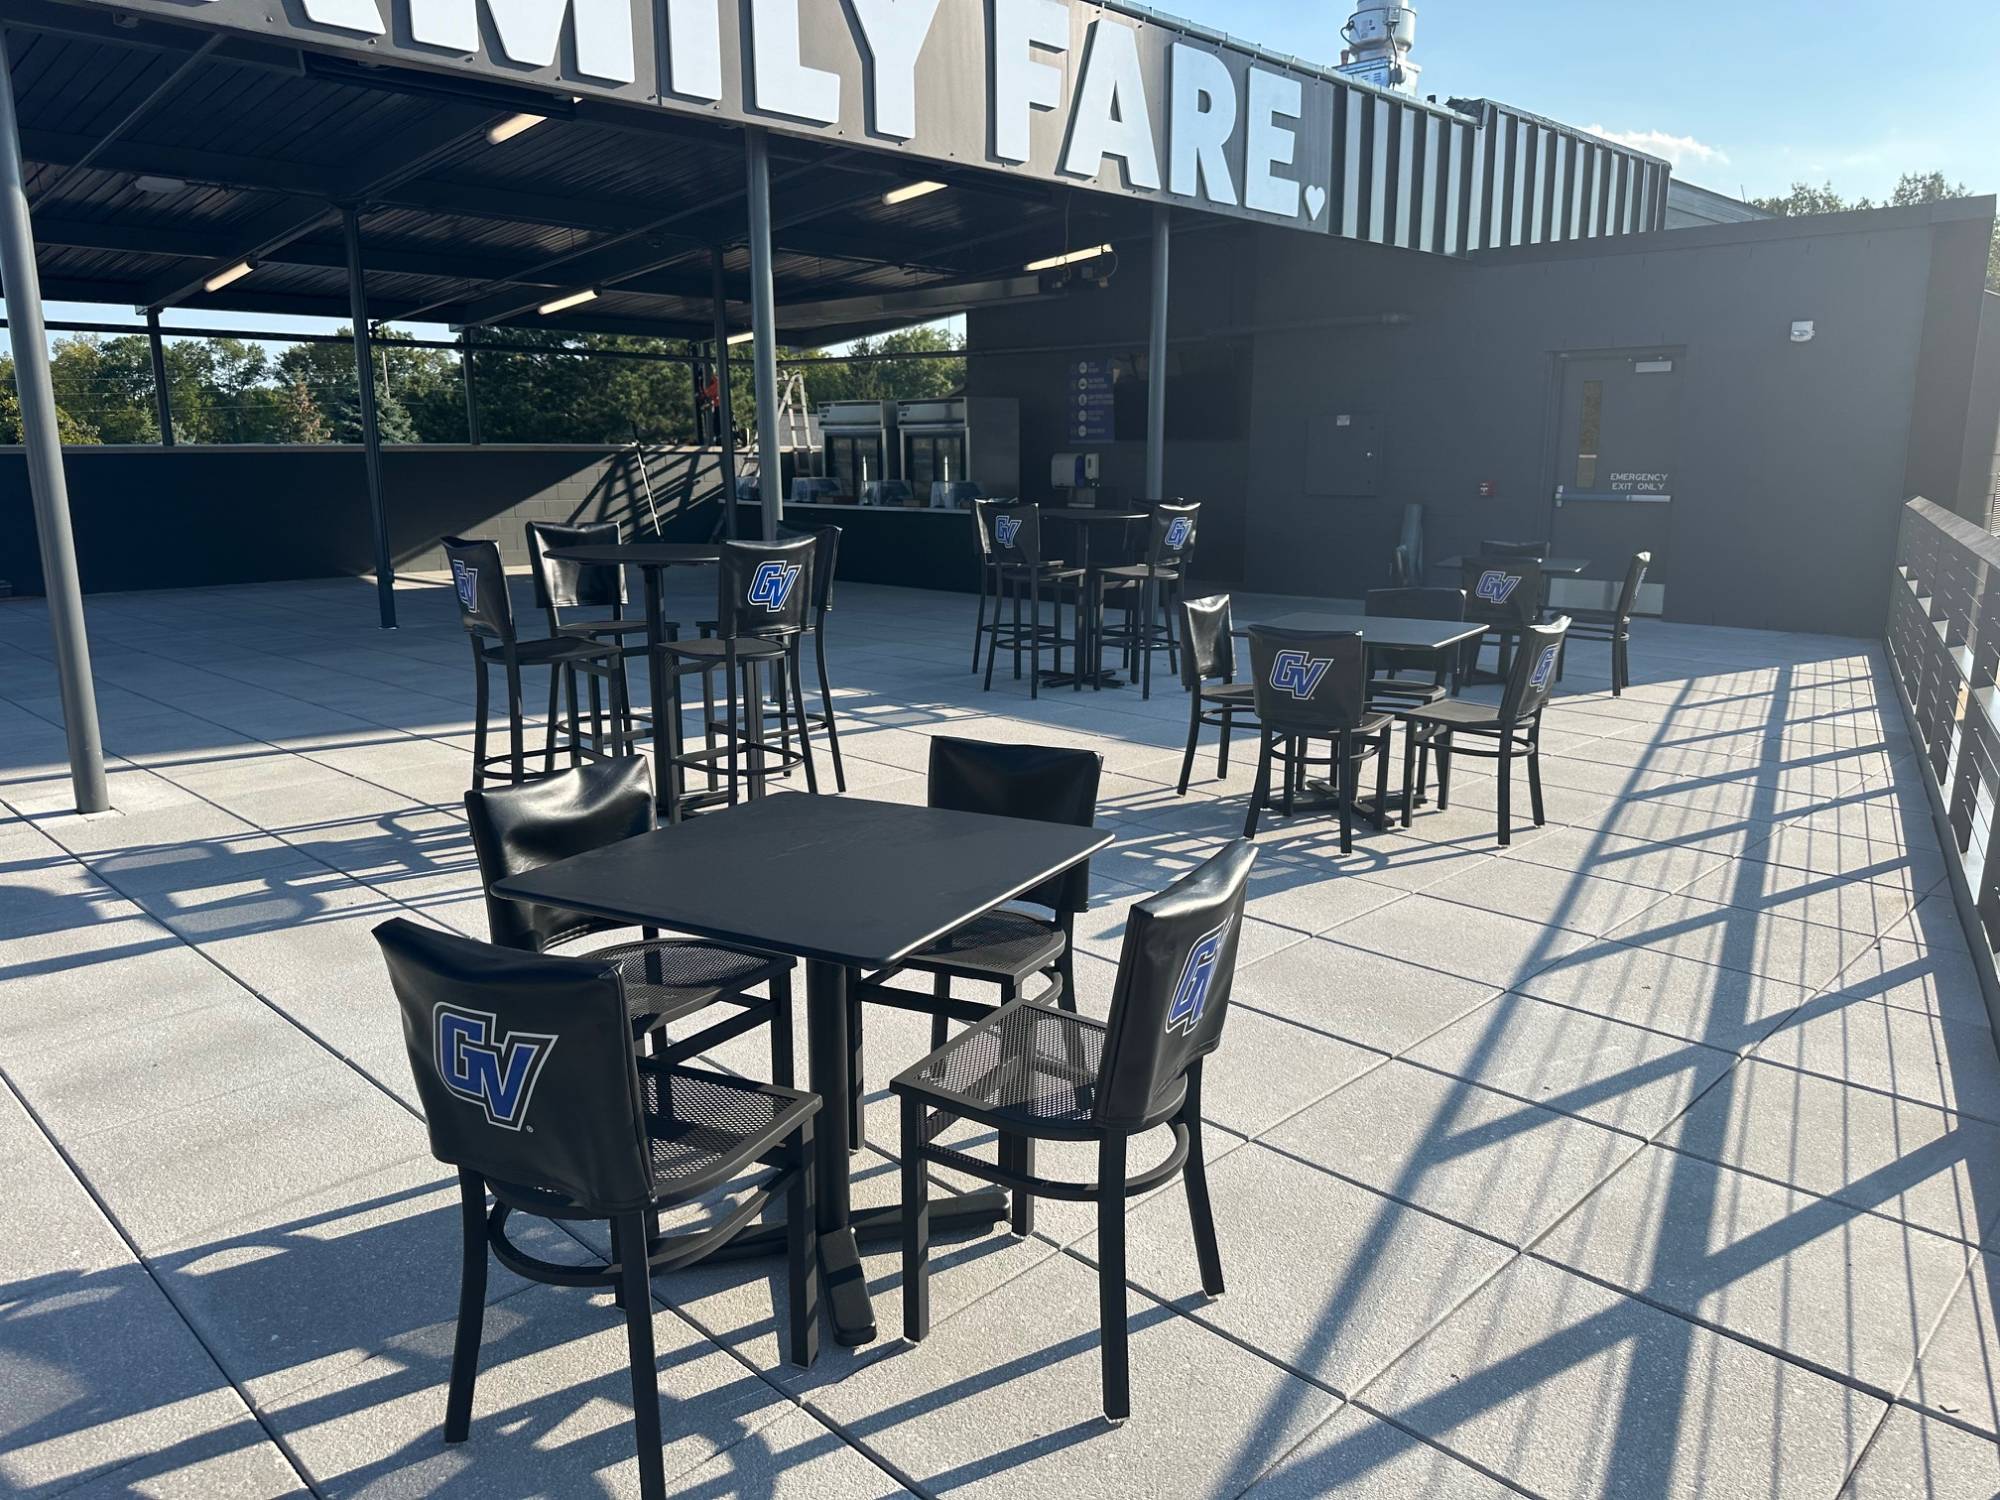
<point x="523" y="1065"/>
<point x="1533" y="678"/>
<point x="1308" y="682"/>
<point x="1503" y="592"/>
<point x="1172" y="992"/>
<point x="1412" y="604"/>
<point x="1016" y="531"/>
<point x="1022" y="781"/>
<point x="517" y="829"/>
<point x="1208" y="650"/>
<point x="1171" y="538"/>
<point x="1628" y="595"/>
<point x="570" y="585"/>
<point x="982" y="525"/>
<point x="480" y="581"/>
<point x="765" y="588"/>
<point x="1539" y="551"/>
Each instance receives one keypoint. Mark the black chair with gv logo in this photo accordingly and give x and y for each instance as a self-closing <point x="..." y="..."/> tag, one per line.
<point x="1615" y="625"/>
<point x="1031" y="1073"/>
<point x="1506" y="596"/>
<point x="587" y="600"/>
<point x="531" y="1089"/>
<point x="1149" y="591"/>
<point x="1208" y="672"/>
<point x="486" y="609"/>
<point x="516" y="830"/>
<point x="1313" y="685"/>
<point x="1025" y="577"/>
<point x="764" y="597"/>
<point x="1506" y="733"/>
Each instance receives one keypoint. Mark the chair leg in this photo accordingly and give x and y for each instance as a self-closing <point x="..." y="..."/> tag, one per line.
<point x="1409" y="771"/>
<point x="992" y="644"/>
<point x="1444" y="771"/>
<point x="1066" y="971"/>
<point x="802" y="1249"/>
<point x="1017" y="1155"/>
<point x="857" y="1072"/>
<point x="799" y="709"/>
<point x="1151" y="589"/>
<point x="1535" y="782"/>
<point x="569" y="702"/>
<point x="1113" y="1331"/>
<point x="1014" y="588"/>
<point x="1035" y="639"/>
<point x="1193" y="740"/>
<point x="516" y="727"/>
<point x="916" y="1227"/>
<point x="735" y="778"/>
<point x="1344" y="750"/>
<point x="784" y="1066"/>
<point x="1506" y="794"/>
<point x="549" y="737"/>
<point x="940" y="1023"/>
<point x="979" y="630"/>
<point x="707" y="722"/>
<point x="1262" y="788"/>
<point x="1222" y="749"/>
<point x="635" y="1282"/>
<point x="1295" y="751"/>
<point x="829" y="722"/>
<point x="479" y="711"/>
<point x="471" y="1308"/>
<point x="1195" y="1174"/>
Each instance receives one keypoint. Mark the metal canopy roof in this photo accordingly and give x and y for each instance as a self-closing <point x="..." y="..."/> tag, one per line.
<point x="264" y="145"/>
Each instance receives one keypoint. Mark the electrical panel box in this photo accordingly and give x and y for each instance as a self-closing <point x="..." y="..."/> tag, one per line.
<point x="1344" y="455"/>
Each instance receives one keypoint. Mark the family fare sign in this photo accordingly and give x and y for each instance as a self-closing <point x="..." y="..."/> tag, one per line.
<point x="1056" y="89"/>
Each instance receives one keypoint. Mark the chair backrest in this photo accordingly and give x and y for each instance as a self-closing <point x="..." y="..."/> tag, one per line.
<point x="1413" y="604"/>
<point x="523" y="1065"/>
<point x="1503" y="592"/>
<point x="826" y="558"/>
<point x="1022" y="781"/>
<point x="1171" y="538"/>
<point x="480" y="581"/>
<point x="1635" y="575"/>
<point x="982" y="525"/>
<point x="1308" y="681"/>
<point x="765" y="588"/>
<point x="1016" y="533"/>
<point x="569" y="585"/>
<point x="516" y="829"/>
<point x="1539" y="551"/>
<point x="1208" y="649"/>
<point x="1172" y="993"/>
<point x="1533" y="678"/>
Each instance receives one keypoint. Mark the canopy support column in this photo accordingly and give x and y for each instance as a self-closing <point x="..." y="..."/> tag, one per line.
<point x="725" y="409"/>
<point x="43" y="440"/>
<point x="764" y="319"/>
<point x="1156" y="357"/>
<point x="163" y="396"/>
<point x="371" y="434"/>
<point x="471" y="384"/>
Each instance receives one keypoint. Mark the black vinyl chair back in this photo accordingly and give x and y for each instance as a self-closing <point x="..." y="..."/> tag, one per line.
<point x="826" y="557"/>
<point x="1533" y="678"/>
<point x="1170" y="541"/>
<point x="765" y="588"/>
<point x="1309" y="682"/>
<point x="1208" y="648"/>
<point x="518" y="829"/>
<point x="1412" y="604"/>
<point x="1635" y="576"/>
<point x="480" y="581"/>
<point x="1171" y="998"/>
<point x="1503" y="592"/>
<point x="982" y="526"/>
<point x="524" y="1066"/>
<point x="1017" y="533"/>
<point x="1539" y="551"/>
<point x="570" y="585"/>
<point x="1022" y="781"/>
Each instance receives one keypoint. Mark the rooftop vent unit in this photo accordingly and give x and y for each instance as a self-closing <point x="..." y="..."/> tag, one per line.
<point x="1379" y="36"/>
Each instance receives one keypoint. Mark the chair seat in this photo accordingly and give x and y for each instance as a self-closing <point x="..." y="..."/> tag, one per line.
<point x="1405" y="692"/>
<point x="1003" y="944"/>
<point x="1235" y="694"/>
<point x="1456" y="713"/>
<point x="608" y="630"/>
<point x="704" y="1128"/>
<point x="556" y="651"/>
<point x="1138" y="573"/>
<point x="713" y="649"/>
<point x="1046" y="571"/>
<point x="667" y="979"/>
<point x="1030" y="1064"/>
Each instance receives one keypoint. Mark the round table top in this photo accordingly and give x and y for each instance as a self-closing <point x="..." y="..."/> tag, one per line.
<point x="1087" y="513"/>
<point x="640" y="555"/>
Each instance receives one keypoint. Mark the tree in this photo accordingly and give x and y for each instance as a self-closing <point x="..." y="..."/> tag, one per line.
<point x="1911" y="188"/>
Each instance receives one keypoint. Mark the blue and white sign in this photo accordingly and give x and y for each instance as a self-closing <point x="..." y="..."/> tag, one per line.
<point x="1093" y="402"/>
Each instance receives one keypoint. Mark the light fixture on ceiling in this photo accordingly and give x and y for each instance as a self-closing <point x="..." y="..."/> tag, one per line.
<point x="222" y="279"/>
<point x="742" y="338"/>
<point x="913" y="191"/>
<point x="574" y="299"/>
<point x="512" y="126"/>
<point x="1073" y="258"/>
<point x="150" y="182"/>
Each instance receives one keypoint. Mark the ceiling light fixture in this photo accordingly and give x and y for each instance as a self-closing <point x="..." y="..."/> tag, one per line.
<point x="222" y="279"/>
<point x="913" y="191"/>
<point x="1075" y="257"/>
<point x="574" y="299"/>
<point x="150" y="183"/>
<point x="742" y="338"/>
<point x="512" y="126"/>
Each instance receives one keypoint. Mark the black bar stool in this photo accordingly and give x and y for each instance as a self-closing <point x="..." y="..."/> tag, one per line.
<point x="1311" y="685"/>
<point x="1208" y="672"/>
<point x="1023" y="573"/>
<point x="563" y="588"/>
<point x="486" y="609"/>
<point x="1148" y="592"/>
<point x="989" y="580"/>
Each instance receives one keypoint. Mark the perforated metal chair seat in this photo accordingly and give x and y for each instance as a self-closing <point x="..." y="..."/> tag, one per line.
<point x="554" y="651"/>
<point x="703" y="1128"/>
<point x="1030" y="1065"/>
<point x="668" y="978"/>
<point x="715" y="649"/>
<point x="1003" y="944"/>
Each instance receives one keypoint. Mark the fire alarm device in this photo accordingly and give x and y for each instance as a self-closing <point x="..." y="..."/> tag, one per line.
<point x="1488" y="489"/>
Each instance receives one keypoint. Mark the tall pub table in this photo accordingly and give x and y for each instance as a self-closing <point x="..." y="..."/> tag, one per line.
<point x="1084" y="522"/>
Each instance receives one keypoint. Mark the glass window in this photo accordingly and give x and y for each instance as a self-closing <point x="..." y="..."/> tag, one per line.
<point x="1589" y="427"/>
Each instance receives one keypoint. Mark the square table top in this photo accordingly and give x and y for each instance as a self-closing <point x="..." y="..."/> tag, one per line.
<point x="1552" y="567"/>
<point x="640" y="554"/>
<point x="838" y="879"/>
<point x="1378" y="630"/>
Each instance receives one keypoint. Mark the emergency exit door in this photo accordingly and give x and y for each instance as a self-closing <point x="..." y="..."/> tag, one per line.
<point x="1617" y="451"/>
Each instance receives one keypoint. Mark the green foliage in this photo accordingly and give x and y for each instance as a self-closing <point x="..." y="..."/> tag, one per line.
<point x="1911" y="188"/>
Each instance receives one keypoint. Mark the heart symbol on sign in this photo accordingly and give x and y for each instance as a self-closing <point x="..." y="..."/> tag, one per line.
<point x="1316" y="201"/>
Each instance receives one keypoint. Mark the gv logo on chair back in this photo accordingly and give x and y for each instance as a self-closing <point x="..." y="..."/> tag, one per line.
<point x="1540" y="676"/>
<point x="465" y="579"/>
<point x="1178" y="533"/>
<point x="1197" y="977"/>
<point x="1298" y="674"/>
<point x="1497" y="587"/>
<point x="1005" y="529"/>
<point x="479" y="1066"/>
<point x="772" y="585"/>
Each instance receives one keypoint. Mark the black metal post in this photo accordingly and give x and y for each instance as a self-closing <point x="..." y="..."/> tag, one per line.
<point x="1156" y="357"/>
<point x="371" y="435"/>
<point x="46" y="480"/>
<point x="725" y="401"/>
<point x="471" y="387"/>
<point x="163" y="396"/>
<point x="764" y="320"/>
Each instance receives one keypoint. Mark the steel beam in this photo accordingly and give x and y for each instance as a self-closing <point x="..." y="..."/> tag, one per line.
<point x="1156" y="356"/>
<point x="46" y="481"/>
<point x="163" y="396"/>
<point x="725" y="411"/>
<point x="764" y="319"/>
<point x="371" y="436"/>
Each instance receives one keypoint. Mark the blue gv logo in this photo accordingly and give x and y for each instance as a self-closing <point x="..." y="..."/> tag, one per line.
<point x="1298" y="674"/>
<point x="1197" y="978"/>
<point x="1540" y="676"/>
<point x="773" y="584"/>
<point x="1005" y="529"/>
<point x="1496" y="587"/>
<point x="1178" y="534"/>
<point x="466" y="581"/>
<point x="498" y="1074"/>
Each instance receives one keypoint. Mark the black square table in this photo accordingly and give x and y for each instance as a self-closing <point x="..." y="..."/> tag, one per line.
<point x="1552" y="567"/>
<point x="847" y="886"/>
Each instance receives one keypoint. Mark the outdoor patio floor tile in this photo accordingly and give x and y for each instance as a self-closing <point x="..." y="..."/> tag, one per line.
<point x="1684" y="997"/>
<point x="1928" y="977"/>
<point x="1487" y="947"/>
<point x="1665" y="865"/>
<point x="1915" y="1457"/>
<point x="1628" y="1400"/>
<point x="1366" y="998"/>
<point x="1775" y="947"/>
<point x="1854" y="906"/>
<point x="1353" y="1456"/>
<point x="1552" y="898"/>
<point x="797" y="1457"/>
<point x="1958" y="1375"/>
<point x="1844" y="1036"/>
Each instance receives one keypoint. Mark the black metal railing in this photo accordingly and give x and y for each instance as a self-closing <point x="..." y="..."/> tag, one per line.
<point x="1944" y="651"/>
